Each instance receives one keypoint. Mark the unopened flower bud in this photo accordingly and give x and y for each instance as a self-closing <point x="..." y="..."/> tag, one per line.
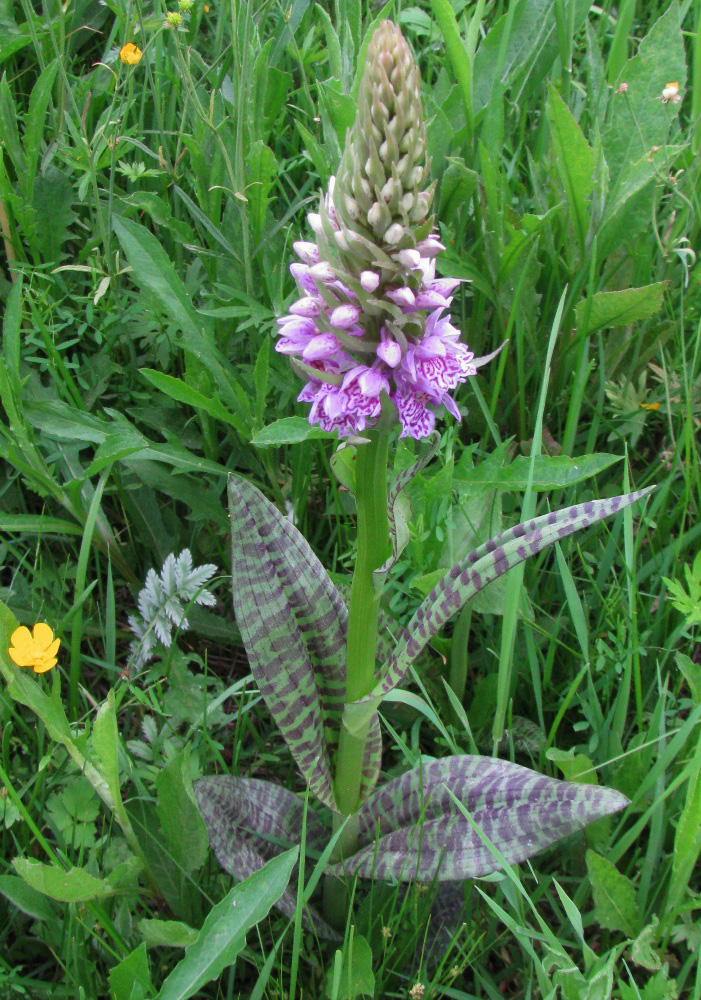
<point x="394" y="233"/>
<point x="308" y="253"/>
<point x="307" y="306"/>
<point x="369" y="281"/>
<point x="323" y="272"/>
<point x="320" y="347"/>
<point x="409" y="258"/>
<point x="390" y="352"/>
<point x="344" y="316"/>
<point x="402" y="296"/>
<point x="430" y="247"/>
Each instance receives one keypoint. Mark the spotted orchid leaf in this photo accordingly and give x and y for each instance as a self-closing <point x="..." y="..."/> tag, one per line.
<point x="251" y="821"/>
<point x="399" y="510"/>
<point x="414" y="828"/>
<point x="293" y="624"/>
<point x="479" y="568"/>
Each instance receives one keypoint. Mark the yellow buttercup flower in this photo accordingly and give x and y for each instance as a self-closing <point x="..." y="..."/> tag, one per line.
<point x="649" y="406"/>
<point x="130" y="54"/>
<point x="35" y="649"/>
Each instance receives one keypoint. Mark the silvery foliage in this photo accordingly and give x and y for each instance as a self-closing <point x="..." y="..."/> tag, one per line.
<point x="162" y="603"/>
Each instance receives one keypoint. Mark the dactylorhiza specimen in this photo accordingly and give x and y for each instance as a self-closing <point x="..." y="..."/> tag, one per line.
<point x="373" y="323"/>
<point x="162" y="603"/>
<point x="372" y="338"/>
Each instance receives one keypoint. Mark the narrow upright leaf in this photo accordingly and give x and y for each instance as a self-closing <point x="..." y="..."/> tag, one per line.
<point x="575" y="162"/>
<point x="293" y="623"/>
<point x="615" y="904"/>
<point x="412" y="827"/>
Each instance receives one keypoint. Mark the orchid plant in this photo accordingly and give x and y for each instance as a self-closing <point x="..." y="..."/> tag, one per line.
<point x="371" y="336"/>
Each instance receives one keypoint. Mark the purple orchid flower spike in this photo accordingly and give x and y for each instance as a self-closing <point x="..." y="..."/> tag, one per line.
<point x="372" y="309"/>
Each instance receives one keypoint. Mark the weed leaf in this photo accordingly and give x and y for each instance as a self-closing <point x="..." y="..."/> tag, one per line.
<point x="251" y="821"/>
<point x="223" y="934"/>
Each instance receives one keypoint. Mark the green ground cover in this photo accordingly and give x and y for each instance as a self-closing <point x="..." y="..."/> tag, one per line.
<point x="149" y="199"/>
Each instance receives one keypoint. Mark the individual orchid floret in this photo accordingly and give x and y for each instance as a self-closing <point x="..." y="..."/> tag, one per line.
<point x="371" y="329"/>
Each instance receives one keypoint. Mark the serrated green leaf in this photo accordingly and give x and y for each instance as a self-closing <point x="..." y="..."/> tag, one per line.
<point x="644" y="949"/>
<point x="104" y="741"/>
<point x="223" y="933"/>
<point x="184" y="831"/>
<point x="615" y="903"/>
<point x="638" y="119"/>
<point x="550" y="472"/>
<point x="34" y="125"/>
<point x="289" y="430"/>
<point x="72" y="886"/>
<point x="25" y="898"/>
<point x="166" y="933"/>
<point x="575" y="162"/>
<point x="152" y="269"/>
<point x="130" y="979"/>
<point x="612" y="309"/>
<point x="261" y="171"/>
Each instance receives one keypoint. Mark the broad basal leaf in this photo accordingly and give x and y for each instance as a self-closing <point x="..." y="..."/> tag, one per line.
<point x="412" y="827"/>
<point x="251" y="821"/>
<point x="293" y="623"/>
<point x="467" y="578"/>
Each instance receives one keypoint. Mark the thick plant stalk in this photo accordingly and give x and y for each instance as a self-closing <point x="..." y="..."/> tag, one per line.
<point x="373" y="549"/>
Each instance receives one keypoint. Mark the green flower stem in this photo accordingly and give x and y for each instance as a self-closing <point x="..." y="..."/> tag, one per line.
<point x="373" y="549"/>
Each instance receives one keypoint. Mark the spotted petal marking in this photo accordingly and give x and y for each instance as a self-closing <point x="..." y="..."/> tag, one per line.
<point x="251" y="821"/>
<point x="469" y="576"/>
<point x="293" y="624"/>
<point x="412" y="828"/>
